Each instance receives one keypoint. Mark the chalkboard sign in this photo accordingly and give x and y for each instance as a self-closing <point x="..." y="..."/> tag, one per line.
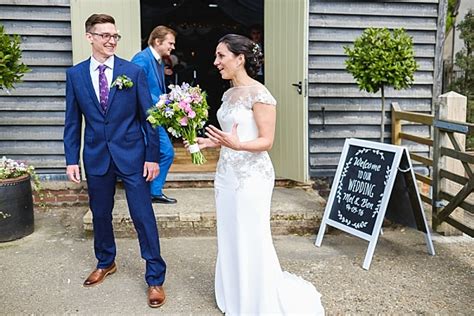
<point x="362" y="189"/>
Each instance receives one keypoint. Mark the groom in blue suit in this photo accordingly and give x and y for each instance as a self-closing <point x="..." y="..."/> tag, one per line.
<point x="112" y="95"/>
<point x="160" y="44"/>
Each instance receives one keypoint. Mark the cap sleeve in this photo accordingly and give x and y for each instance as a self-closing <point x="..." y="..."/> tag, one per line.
<point x="262" y="95"/>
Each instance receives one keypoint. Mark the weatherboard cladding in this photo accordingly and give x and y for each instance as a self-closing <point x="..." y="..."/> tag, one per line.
<point x="32" y="115"/>
<point x="337" y="109"/>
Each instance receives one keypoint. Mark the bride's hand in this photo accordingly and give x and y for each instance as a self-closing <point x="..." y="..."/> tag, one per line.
<point x="230" y="140"/>
<point x="201" y="141"/>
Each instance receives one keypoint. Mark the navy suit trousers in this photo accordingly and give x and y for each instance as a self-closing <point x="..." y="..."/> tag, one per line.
<point x="101" y="199"/>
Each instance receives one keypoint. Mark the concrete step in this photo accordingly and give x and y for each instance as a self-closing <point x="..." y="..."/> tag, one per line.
<point x="293" y="211"/>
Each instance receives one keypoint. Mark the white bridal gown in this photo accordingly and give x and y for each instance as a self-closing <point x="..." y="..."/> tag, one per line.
<point x="249" y="279"/>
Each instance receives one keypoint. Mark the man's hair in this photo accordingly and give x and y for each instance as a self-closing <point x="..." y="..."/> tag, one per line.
<point x="160" y="33"/>
<point x="98" y="19"/>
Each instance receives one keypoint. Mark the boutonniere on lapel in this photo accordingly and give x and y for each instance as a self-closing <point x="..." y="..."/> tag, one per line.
<point x="122" y="81"/>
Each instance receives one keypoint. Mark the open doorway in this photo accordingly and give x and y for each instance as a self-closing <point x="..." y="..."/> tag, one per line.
<point x="200" y="24"/>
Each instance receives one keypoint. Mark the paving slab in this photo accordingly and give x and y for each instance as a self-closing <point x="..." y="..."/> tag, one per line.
<point x="42" y="274"/>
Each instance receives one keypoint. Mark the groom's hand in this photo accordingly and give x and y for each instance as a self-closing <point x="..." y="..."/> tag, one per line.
<point x="150" y="170"/>
<point x="73" y="173"/>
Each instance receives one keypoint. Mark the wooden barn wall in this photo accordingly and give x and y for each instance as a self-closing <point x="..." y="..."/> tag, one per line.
<point x="32" y="115"/>
<point x="337" y="109"/>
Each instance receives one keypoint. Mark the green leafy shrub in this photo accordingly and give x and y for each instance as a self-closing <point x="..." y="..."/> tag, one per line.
<point x="464" y="84"/>
<point x="450" y="18"/>
<point x="464" y="58"/>
<point x="11" y="67"/>
<point x="381" y="58"/>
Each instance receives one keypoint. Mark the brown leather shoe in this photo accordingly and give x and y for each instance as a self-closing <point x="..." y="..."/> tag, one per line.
<point x="156" y="296"/>
<point x="98" y="275"/>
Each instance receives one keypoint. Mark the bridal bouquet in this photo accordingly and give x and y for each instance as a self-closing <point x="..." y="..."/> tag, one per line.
<point x="182" y="112"/>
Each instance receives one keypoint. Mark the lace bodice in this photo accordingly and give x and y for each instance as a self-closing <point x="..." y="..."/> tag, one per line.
<point x="237" y="107"/>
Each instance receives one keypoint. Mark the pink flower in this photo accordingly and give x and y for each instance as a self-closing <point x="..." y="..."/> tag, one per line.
<point x="191" y="114"/>
<point x="183" y="121"/>
<point x="196" y="98"/>
<point x="183" y="104"/>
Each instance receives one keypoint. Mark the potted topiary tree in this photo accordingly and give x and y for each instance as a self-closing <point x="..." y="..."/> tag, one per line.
<point x="16" y="202"/>
<point x="380" y="58"/>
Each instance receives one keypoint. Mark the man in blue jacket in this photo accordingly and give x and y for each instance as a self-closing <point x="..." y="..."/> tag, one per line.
<point x="160" y="44"/>
<point x="112" y="96"/>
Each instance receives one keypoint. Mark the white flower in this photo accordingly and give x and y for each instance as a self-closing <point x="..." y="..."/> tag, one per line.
<point x="173" y="132"/>
<point x="169" y="112"/>
<point x="160" y="103"/>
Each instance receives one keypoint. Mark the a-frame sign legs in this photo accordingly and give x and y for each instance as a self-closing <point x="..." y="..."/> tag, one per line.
<point x="369" y="254"/>
<point x="416" y="199"/>
<point x="322" y="228"/>
<point x="429" y="244"/>
<point x="373" y="181"/>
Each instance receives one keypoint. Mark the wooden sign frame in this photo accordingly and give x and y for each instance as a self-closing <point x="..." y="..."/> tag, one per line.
<point x="399" y="153"/>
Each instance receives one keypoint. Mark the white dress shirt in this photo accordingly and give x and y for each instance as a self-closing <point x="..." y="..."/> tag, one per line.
<point x="155" y="54"/>
<point x="94" y="71"/>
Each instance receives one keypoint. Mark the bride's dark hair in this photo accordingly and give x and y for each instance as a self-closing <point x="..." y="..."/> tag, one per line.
<point x="252" y="52"/>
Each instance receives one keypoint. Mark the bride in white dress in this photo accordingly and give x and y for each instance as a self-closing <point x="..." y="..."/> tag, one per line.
<point x="249" y="279"/>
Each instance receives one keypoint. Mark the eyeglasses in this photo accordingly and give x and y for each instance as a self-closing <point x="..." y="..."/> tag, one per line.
<point x="106" y="36"/>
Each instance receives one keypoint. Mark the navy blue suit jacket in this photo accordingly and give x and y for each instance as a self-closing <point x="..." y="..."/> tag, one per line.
<point x="155" y="73"/>
<point x="118" y="134"/>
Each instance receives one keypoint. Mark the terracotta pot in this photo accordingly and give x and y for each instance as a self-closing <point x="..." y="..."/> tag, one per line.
<point x="16" y="208"/>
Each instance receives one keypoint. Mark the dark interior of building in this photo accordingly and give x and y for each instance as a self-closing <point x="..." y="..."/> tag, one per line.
<point x="200" y="24"/>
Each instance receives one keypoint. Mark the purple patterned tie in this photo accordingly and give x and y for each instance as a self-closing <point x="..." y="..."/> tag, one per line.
<point x="103" y="88"/>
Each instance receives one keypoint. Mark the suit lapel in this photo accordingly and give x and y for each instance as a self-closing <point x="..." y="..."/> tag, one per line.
<point x="118" y="65"/>
<point x="159" y="73"/>
<point x="161" y="78"/>
<point x="86" y="74"/>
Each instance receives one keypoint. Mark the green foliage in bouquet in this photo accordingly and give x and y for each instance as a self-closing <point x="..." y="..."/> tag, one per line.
<point x="182" y="112"/>
<point x="381" y="58"/>
<point x="11" y="67"/>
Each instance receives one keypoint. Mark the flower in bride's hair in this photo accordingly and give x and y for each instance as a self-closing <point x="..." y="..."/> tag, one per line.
<point x="255" y="49"/>
<point x="257" y="53"/>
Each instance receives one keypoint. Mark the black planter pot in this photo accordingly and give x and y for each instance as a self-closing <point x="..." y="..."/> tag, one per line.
<point x="16" y="208"/>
